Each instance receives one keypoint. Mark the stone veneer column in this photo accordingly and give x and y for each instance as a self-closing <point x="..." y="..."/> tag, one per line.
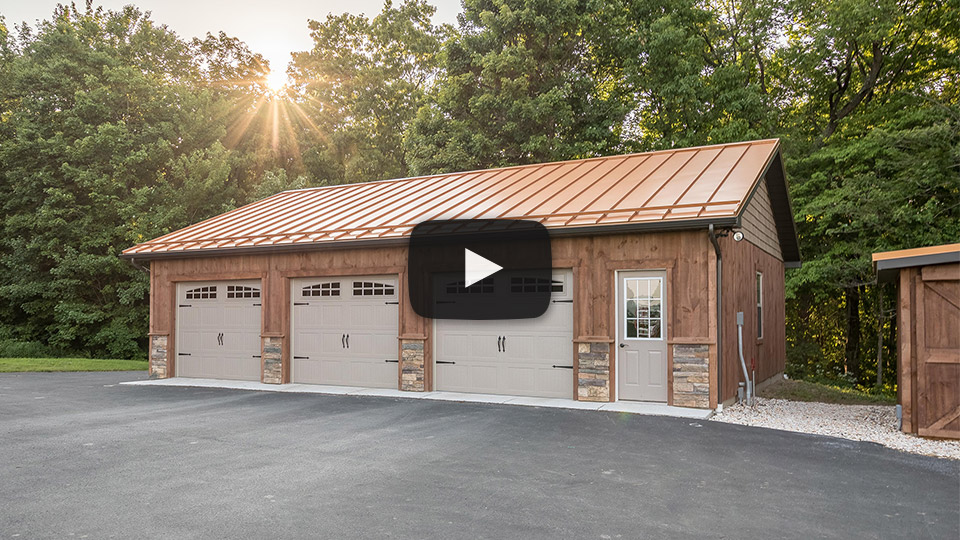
<point x="593" y="368"/>
<point x="412" y="365"/>
<point x="272" y="357"/>
<point x="691" y="376"/>
<point x="158" y="357"/>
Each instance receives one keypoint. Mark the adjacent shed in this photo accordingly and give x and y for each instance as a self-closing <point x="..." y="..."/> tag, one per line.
<point x="928" y="375"/>
<point x="309" y="286"/>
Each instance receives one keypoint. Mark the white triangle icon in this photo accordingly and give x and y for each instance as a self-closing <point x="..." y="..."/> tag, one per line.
<point x="476" y="267"/>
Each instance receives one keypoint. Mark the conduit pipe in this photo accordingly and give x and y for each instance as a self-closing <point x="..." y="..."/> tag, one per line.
<point x="743" y="363"/>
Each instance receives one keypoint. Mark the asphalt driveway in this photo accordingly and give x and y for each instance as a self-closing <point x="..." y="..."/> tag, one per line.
<point x="81" y="455"/>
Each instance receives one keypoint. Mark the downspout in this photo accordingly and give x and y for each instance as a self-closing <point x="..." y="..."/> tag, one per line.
<point x="716" y="249"/>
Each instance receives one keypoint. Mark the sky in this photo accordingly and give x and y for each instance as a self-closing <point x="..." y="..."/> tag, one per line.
<point x="273" y="28"/>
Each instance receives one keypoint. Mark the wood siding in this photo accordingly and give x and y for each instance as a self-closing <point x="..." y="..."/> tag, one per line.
<point x="928" y="377"/>
<point x="686" y="256"/>
<point x="757" y="221"/>
<point x="741" y="262"/>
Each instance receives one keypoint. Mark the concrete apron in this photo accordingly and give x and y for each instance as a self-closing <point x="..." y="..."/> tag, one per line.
<point x="632" y="407"/>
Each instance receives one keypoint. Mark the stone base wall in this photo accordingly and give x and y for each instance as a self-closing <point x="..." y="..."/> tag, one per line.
<point x="691" y="376"/>
<point x="412" y="365"/>
<point x="272" y="359"/>
<point x="593" y="368"/>
<point x="158" y="357"/>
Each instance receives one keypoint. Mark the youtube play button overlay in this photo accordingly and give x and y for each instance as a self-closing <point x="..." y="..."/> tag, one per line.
<point x="479" y="269"/>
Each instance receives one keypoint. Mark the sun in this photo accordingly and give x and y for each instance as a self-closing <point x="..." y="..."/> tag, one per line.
<point x="276" y="82"/>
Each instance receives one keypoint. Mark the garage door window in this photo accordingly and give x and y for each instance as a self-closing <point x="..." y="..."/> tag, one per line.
<point x="372" y="288"/>
<point x="483" y="286"/>
<point x="202" y="293"/>
<point x="534" y="285"/>
<point x="321" y="289"/>
<point x="240" y="291"/>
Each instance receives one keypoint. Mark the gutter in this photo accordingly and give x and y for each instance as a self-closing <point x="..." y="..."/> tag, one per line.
<point x="589" y="230"/>
<point x="716" y="248"/>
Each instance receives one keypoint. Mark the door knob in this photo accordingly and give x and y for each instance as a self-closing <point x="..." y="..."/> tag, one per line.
<point x="622" y="345"/>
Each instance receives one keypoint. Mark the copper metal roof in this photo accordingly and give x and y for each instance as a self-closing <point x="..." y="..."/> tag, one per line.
<point x="669" y="188"/>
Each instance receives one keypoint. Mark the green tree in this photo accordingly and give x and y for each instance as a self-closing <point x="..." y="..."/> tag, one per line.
<point x="524" y="81"/>
<point x="360" y="87"/>
<point x="108" y="138"/>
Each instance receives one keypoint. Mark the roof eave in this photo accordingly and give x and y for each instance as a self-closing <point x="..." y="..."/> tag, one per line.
<point x="888" y="269"/>
<point x="587" y="230"/>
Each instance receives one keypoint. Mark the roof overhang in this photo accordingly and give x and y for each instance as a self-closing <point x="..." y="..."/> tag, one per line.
<point x="888" y="264"/>
<point x="776" y="176"/>
<point x="691" y="224"/>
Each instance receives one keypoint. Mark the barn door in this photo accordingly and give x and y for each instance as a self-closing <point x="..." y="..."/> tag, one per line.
<point x="938" y="351"/>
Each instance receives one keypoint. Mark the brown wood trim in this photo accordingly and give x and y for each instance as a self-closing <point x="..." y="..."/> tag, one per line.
<point x="412" y="336"/>
<point x="151" y="334"/>
<point x="690" y="341"/>
<point x="344" y="271"/>
<point x="941" y="272"/>
<point x="272" y="334"/>
<point x="639" y="265"/>
<point x="594" y="339"/>
<point x="216" y="276"/>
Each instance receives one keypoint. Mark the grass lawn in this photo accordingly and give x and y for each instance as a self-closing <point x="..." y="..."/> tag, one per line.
<point x="11" y="365"/>
<point x="823" y="393"/>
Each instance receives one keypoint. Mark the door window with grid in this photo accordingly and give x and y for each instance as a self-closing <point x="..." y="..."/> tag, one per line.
<point x="643" y="301"/>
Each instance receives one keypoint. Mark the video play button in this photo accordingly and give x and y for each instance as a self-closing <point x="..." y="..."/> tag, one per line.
<point x="475" y="267"/>
<point x="479" y="269"/>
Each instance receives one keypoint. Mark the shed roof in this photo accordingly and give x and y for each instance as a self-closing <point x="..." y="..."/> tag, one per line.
<point x="679" y="188"/>
<point x="888" y="263"/>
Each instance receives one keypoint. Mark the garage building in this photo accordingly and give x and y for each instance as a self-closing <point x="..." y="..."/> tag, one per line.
<point x="309" y="286"/>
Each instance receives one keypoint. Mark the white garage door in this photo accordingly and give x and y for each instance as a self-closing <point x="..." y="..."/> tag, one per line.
<point x="218" y="330"/>
<point x="345" y="331"/>
<point x="522" y="357"/>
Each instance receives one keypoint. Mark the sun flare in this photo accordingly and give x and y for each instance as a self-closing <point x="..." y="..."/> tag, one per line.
<point x="276" y="81"/>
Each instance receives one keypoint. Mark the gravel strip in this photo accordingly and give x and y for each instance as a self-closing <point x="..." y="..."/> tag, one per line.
<point x="875" y="423"/>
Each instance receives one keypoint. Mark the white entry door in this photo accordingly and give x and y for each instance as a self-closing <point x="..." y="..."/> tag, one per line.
<point x="642" y="336"/>
<point x="218" y="330"/>
<point x="345" y="331"/>
<point x="519" y="357"/>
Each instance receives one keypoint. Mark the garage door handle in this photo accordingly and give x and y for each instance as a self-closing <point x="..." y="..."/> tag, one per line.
<point x="301" y="357"/>
<point x="564" y="367"/>
<point x="445" y="362"/>
<point x="186" y="305"/>
<point x="258" y="356"/>
<point x="504" y="343"/>
<point x="183" y="354"/>
<point x="499" y="338"/>
<point x="394" y="361"/>
<point x="392" y="303"/>
<point x="301" y="303"/>
<point x="343" y="344"/>
<point x="348" y="341"/>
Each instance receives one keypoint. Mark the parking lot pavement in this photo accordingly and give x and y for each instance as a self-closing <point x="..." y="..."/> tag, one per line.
<point x="82" y="455"/>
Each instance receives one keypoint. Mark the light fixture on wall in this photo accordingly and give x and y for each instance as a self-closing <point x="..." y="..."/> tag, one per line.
<point x="737" y="236"/>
